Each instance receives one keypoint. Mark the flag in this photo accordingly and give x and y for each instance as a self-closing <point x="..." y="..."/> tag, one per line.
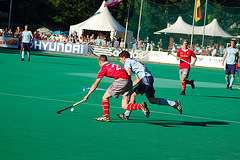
<point x="198" y="13"/>
<point x="110" y="3"/>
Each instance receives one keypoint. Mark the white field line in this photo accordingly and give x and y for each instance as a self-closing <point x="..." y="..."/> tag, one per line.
<point x="189" y="116"/>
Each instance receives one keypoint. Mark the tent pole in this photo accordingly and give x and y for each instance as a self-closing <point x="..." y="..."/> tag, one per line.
<point x="139" y="22"/>
<point x="204" y="23"/>
<point x="9" y="16"/>
<point x="193" y="25"/>
<point x="125" y="37"/>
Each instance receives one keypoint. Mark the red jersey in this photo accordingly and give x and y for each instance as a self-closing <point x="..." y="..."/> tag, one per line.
<point x="113" y="70"/>
<point x="185" y="55"/>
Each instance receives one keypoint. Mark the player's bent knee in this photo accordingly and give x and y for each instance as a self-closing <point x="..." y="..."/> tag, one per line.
<point x="106" y="96"/>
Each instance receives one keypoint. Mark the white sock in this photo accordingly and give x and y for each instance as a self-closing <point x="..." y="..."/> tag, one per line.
<point x="162" y="101"/>
<point x="231" y="82"/>
<point x="28" y="53"/>
<point x="227" y="80"/>
<point x="22" y="54"/>
<point x="127" y="113"/>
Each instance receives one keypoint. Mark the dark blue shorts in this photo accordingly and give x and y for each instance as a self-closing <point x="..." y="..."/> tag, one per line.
<point x="230" y="69"/>
<point x="145" y="86"/>
<point x="26" y="46"/>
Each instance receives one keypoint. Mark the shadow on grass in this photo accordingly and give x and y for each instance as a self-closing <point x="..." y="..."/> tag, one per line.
<point x="215" y="96"/>
<point x="174" y="123"/>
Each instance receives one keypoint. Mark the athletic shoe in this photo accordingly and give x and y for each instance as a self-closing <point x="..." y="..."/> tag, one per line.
<point x="192" y="84"/>
<point x="122" y="116"/>
<point x="144" y="109"/>
<point x="182" y="93"/>
<point x="178" y="106"/>
<point x="227" y="86"/>
<point x="29" y="59"/>
<point x="103" y="119"/>
<point x="22" y="59"/>
<point x="230" y="88"/>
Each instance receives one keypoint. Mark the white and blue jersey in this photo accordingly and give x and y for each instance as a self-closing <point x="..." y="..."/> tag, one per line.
<point x="26" y="36"/>
<point x="137" y="68"/>
<point x="232" y="55"/>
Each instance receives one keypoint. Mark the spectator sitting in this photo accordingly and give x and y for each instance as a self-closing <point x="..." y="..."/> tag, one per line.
<point x="61" y="37"/>
<point x="75" y="37"/>
<point x="70" y="41"/>
<point x="221" y="51"/>
<point x="116" y="43"/>
<point x="200" y="51"/>
<point x="98" y="41"/>
<point x="109" y="43"/>
<point x="57" y="38"/>
<point x="77" y="42"/>
<point x="135" y="45"/>
<point x="160" y="45"/>
<point x="71" y="37"/>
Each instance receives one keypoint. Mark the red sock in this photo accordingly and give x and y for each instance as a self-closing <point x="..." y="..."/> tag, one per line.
<point x="132" y="106"/>
<point x="105" y="105"/>
<point x="183" y="86"/>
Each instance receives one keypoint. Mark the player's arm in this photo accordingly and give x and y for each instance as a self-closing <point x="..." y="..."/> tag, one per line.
<point x="224" y="57"/>
<point x="93" y="88"/>
<point x="194" y="61"/>
<point x="136" y="81"/>
<point x="31" y="37"/>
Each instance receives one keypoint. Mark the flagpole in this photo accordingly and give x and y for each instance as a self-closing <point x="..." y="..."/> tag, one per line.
<point x="139" y="22"/>
<point x="9" y="16"/>
<point x="204" y="23"/>
<point x="194" y="12"/>
<point x="125" y="37"/>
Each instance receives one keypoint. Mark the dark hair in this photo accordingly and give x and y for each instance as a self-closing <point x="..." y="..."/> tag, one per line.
<point x="185" y="41"/>
<point x="26" y="24"/>
<point x="102" y="58"/>
<point x="124" y="54"/>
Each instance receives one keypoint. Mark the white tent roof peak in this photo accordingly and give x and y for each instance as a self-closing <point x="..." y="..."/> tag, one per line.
<point x="181" y="27"/>
<point x="102" y="20"/>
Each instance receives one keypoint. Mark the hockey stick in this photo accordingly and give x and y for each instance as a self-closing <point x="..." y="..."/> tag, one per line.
<point x="180" y="58"/>
<point x="99" y="89"/>
<point x="238" y="79"/>
<point x="59" y="112"/>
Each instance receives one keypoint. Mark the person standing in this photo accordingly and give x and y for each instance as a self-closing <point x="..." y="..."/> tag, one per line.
<point x="144" y="84"/>
<point x="184" y="68"/>
<point x="27" y="37"/>
<point x="231" y="56"/>
<point x="121" y="85"/>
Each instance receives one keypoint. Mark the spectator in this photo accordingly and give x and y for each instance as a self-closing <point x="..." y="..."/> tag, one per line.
<point x="200" y="51"/>
<point x="141" y="46"/>
<point x="160" y="45"/>
<point x="65" y="39"/>
<point x="116" y="43"/>
<point x="75" y="37"/>
<point x="1" y="32"/>
<point x="52" y="37"/>
<point x="61" y="37"/>
<point x="221" y="51"/>
<point x="214" y="52"/>
<point x="209" y="50"/>
<point x="6" y="33"/>
<point x="152" y="46"/>
<point x="109" y="43"/>
<point x="104" y="42"/>
<point x="78" y="42"/>
<point x="139" y="42"/>
<point x="98" y="41"/>
<point x="122" y="44"/>
<point x="135" y="45"/>
<point x="10" y="33"/>
<point x="57" y="38"/>
<point x="92" y="37"/>
<point x="71" y="37"/>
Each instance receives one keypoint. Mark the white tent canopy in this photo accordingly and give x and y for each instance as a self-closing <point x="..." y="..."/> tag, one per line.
<point x="102" y="20"/>
<point x="180" y="27"/>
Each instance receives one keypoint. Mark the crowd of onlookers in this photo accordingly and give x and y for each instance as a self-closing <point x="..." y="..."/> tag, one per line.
<point x="9" y="33"/>
<point x="104" y="41"/>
